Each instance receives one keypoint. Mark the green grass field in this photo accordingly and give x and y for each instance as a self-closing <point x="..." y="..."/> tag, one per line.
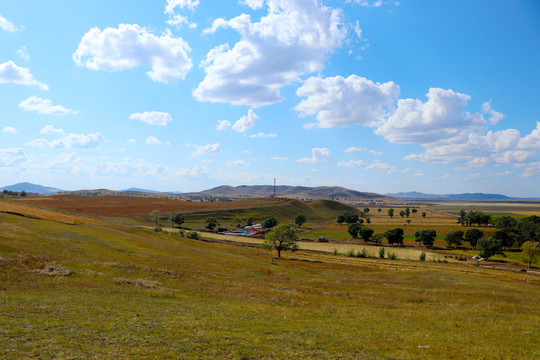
<point x="103" y="291"/>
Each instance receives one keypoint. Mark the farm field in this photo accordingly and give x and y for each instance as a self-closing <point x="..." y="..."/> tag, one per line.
<point x="104" y="290"/>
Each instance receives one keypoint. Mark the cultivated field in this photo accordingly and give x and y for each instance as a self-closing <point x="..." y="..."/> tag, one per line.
<point x="77" y="290"/>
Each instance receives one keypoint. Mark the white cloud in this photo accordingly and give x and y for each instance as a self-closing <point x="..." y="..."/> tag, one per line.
<point x="9" y="130"/>
<point x="132" y="46"/>
<point x="223" y="125"/>
<point x="182" y="4"/>
<point x="151" y="140"/>
<point x="280" y="158"/>
<point x="81" y="141"/>
<point x="40" y="143"/>
<point x="495" y="116"/>
<point x="23" y="53"/>
<point x="11" y="73"/>
<point x="374" y="152"/>
<point x="152" y="117"/>
<point x="352" y="163"/>
<point x="131" y="141"/>
<point x="317" y="155"/>
<point x="303" y="33"/>
<point x="531" y="141"/>
<point x="7" y="25"/>
<point x="210" y="149"/>
<point x="49" y="129"/>
<point x="254" y="4"/>
<point x="245" y="122"/>
<point x="355" y="149"/>
<point x="237" y="163"/>
<point x="44" y="106"/>
<point x="441" y="119"/>
<point x="11" y="157"/>
<point x="262" y="135"/>
<point x="339" y="101"/>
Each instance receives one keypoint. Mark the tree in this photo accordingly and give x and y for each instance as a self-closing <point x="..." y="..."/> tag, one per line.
<point x="349" y="217"/>
<point x="414" y="211"/>
<point x="269" y="222"/>
<point x="368" y="220"/>
<point x="249" y="221"/>
<point x="365" y="233"/>
<point x="377" y="238"/>
<point x="178" y="219"/>
<point x="211" y="223"/>
<point x="402" y="213"/>
<point x="366" y="210"/>
<point x="531" y="251"/>
<point x="23" y="193"/>
<point x="300" y="219"/>
<point x="394" y="236"/>
<point x="391" y="213"/>
<point x="505" y="238"/>
<point x="454" y="238"/>
<point x="353" y="229"/>
<point x="424" y="214"/>
<point x="489" y="246"/>
<point x="472" y="236"/>
<point x="506" y="223"/>
<point x="407" y="212"/>
<point x="379" y="210"/>
<point x="281" y="238"/>
<point x="425" y="237"/>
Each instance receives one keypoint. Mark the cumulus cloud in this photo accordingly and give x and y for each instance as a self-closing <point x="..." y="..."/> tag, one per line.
<point x="210" y="149"/>
<point x="151" y="140"/>
<point x="246" y="122"/>
<point x="339" y="101"/>
<point x="494" y="116"/>
<point x="531" y="141"/>
<point x="44" y="106"/>
<point x="11" y="157"/>
<point x="80" y="141"/>
<point x="11" y="73"/>
<point x="262" y="135"/>
<point x="223" y="125"/>
<point x="280" y="158"/>
<point x="182" y="4"/>
<point x="352" y="163"/>
<point x="9" y="130"/>
<point x="49" y="129"/>
<point x="317" y="155"/>
<point x="152" y="117"/>
<point x="441" y="118"/>
<point x="130" y="46"/>
<point x="303" y="33"/>
<point x="7" y="25"/>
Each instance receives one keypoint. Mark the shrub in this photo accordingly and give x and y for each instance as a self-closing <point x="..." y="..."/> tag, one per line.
<point x="349" y="253"/>
<point x="182" y="233"/>
<point x="158" y="229"/>
<point x="362" y="254"/>
<point x="392" y="256"/>
<point x="335" y="252"/>
<point x="381" y="253"/>
<point x="423" y="256"/>
<point x="193" y="235"/>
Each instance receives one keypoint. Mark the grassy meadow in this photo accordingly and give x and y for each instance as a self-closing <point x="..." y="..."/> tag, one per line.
<point x="83" y="289"/>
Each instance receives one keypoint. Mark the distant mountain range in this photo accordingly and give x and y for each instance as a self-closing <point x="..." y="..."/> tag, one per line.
<point x="413" y="195"/>
<point x="252" y="191"/>
<point x="31" y="188"/>
<point x="296" y="192"/>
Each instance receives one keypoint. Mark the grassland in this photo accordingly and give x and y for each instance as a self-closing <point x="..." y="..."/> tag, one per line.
<point x="92" y="290"/>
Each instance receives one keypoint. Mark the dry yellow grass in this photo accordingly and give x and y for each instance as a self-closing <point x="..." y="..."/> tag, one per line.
<point x="7" y="206"/>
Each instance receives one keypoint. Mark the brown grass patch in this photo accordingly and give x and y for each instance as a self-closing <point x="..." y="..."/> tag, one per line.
<point x="129" y="206"/>
<point x="25" y="210"/>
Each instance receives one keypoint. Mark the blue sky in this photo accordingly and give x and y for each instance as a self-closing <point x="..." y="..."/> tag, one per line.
<point x="185" y="95"/>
